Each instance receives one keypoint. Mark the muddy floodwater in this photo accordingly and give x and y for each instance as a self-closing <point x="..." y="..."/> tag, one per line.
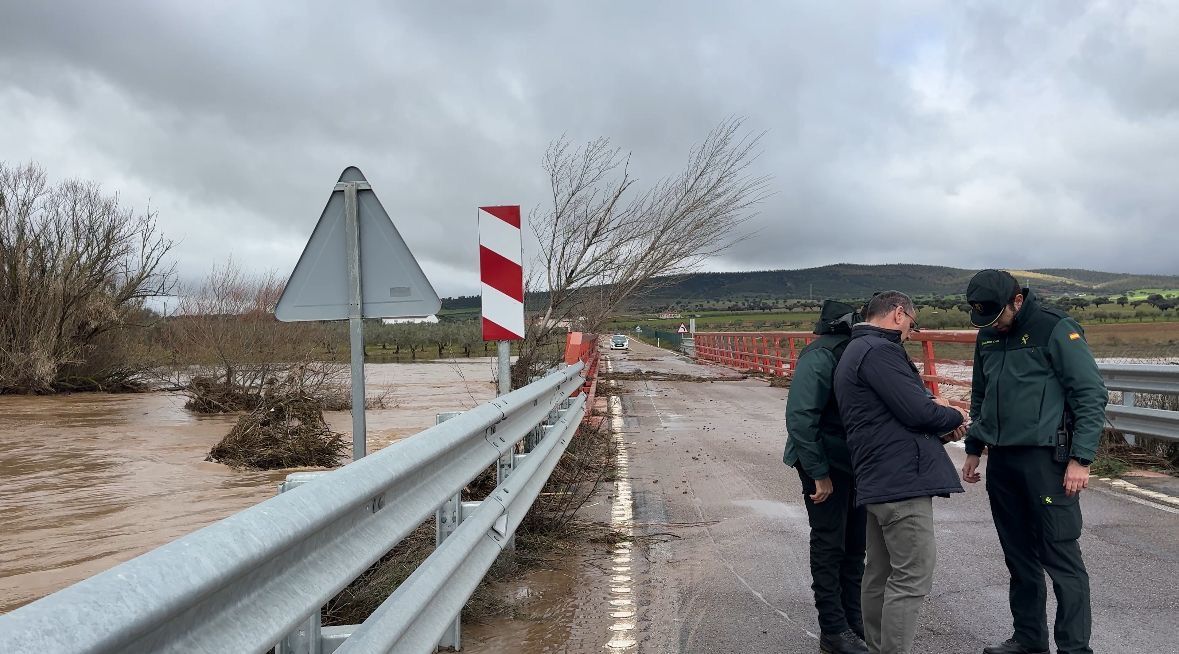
<point x="90" y="480"/>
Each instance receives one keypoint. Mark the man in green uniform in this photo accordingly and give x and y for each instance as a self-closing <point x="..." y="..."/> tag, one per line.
<point x="1038" y="406"/>
<point x="816" y="445"/>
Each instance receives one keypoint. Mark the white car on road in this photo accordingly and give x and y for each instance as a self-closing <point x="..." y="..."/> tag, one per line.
<point x="619" y="342"/>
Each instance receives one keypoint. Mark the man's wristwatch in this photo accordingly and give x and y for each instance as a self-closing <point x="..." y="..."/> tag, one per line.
<point x="1084" y="462"/>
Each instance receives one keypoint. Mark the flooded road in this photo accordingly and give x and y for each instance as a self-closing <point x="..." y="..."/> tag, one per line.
<point x="90" y="480"/>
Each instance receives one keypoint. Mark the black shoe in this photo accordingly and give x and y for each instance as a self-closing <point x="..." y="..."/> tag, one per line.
<point x="1011" y="646"/>
<point x="842" y="643"/>
<point x="859" y="629"/>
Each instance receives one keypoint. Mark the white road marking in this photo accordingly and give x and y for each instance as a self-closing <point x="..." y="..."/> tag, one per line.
<point x="622" y="519"/>
<point x="1143" y="496"/>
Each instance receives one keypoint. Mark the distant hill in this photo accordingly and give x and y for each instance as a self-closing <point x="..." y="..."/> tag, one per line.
<point x="858" y="281"/>
<point x="855" y="281"/>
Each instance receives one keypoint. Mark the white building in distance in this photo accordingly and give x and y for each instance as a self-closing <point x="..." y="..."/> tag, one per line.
<point x="409" y="321"/>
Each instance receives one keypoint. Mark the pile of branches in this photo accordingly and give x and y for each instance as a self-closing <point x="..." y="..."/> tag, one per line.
<point x="285" y="430"/>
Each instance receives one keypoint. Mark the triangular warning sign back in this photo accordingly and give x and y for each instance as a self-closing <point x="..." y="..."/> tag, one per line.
<point x="392" y="284"/>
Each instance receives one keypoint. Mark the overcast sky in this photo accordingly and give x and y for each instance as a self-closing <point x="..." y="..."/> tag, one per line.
<point x="973" y="134"/>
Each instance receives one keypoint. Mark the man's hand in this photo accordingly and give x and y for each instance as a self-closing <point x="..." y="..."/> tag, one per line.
<point x="823" y="489"/>
<point x="941" y="401"/>
<point x="955" y="435"/>
<point x="970" y="473"/>
<point x="1076" y="478"/>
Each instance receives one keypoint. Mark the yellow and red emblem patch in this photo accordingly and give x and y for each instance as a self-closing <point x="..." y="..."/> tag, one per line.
<point x="1073" y="336"/>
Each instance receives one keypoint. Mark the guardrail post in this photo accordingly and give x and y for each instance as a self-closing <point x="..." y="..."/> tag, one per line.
<point x="1128" y="400"/>
<point x="303" y="640"/>
<point x="307" y="637"/>
<point x="503" y="470"/>
<point x="447" y="519"/>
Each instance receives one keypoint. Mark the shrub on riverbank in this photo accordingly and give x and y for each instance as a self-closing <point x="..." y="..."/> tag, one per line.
<point x="78" y="268"/>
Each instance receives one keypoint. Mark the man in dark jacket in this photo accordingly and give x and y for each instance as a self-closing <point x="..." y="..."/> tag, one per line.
<point x="896" y="432"/>
<point x="816" y="446"/>
<point x="1038" y="403"/>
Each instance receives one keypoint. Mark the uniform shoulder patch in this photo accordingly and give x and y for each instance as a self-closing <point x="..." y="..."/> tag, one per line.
<point x="1073" y="336"/>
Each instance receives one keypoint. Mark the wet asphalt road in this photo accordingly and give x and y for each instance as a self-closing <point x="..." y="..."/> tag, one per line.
<point x="724" y="534"/>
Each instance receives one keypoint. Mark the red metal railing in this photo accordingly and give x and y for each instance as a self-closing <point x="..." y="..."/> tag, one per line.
<point x="776" y="353"/>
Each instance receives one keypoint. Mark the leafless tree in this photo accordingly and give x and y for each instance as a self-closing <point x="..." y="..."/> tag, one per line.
<point x="225" y="333"/>
<point x="603" y="239"/>
<point x="74" y="266"/>
<point x="234" y="355"/>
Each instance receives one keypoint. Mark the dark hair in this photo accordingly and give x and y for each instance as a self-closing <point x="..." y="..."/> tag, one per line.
<point x="1016" y="289"/>
<point x="885" y="301"/>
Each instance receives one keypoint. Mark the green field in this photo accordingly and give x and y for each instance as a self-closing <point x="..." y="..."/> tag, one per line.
<point x="1143" y="293"/>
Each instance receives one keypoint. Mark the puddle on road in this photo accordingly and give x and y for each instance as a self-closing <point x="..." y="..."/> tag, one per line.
<point x="554" y="611"/>
<point x="91" y="479"/>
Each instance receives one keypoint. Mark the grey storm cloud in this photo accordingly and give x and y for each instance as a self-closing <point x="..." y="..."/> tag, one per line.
<point x="970" y="134"/>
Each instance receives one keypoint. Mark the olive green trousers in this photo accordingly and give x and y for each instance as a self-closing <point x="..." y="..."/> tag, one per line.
<point x="899" y="572"/>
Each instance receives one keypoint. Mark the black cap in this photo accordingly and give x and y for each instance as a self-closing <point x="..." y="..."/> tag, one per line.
<point x="988" y="292"/>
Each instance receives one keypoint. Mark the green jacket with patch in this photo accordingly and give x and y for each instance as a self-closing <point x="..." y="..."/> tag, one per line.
<point x="815" y="435"/>
<point x="1024" y="379"/>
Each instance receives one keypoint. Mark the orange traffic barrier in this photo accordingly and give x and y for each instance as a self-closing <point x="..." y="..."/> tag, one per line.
<point x="580" y="346"/>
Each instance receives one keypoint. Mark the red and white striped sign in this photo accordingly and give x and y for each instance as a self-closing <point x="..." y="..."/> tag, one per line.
<point x="502" y="272"/>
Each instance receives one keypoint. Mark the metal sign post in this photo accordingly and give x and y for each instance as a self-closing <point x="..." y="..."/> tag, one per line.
<point x="505" y="367"/>
<point x="355" y="320"/>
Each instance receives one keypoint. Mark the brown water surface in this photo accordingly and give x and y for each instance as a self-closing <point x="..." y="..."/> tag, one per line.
<point x="90" y="480"/>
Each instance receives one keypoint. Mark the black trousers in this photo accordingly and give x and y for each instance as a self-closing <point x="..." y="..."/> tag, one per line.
<point x="837" y="552"/>
<point x="1038" y="528"/>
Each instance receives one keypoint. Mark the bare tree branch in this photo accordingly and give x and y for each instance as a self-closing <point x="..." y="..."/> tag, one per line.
<point x="601" y="241"/>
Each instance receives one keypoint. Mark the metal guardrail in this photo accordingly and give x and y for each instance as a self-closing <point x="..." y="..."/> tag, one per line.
<point x="259" y="577"/>
<point x="1141" y="378"/>
<point x="1134" y="421"/>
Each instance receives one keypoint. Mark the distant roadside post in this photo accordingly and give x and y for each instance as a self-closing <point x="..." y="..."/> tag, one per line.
<point x="356" y="266"/>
